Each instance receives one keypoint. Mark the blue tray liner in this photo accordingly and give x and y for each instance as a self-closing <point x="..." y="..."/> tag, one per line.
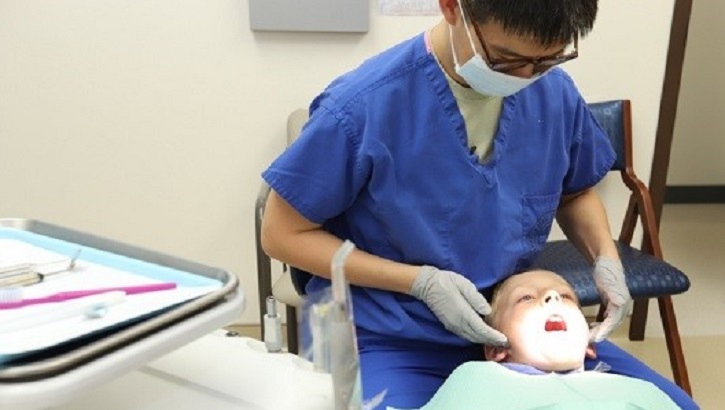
<point x="109" y="259"/>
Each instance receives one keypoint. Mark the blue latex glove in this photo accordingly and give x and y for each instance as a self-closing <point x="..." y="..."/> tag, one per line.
<point x="457" y="304"/>
<point x="609" y="277"/>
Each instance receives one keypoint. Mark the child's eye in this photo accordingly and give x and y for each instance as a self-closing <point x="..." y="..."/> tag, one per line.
<point x="567" y="296"/>
<point x="526" y="298"/>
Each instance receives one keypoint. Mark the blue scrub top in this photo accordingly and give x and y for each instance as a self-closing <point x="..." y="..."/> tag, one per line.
<point x="384" y="162"/>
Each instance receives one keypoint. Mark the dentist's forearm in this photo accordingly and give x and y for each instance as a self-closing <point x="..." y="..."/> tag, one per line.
<point x="289" y="237"/>
<point x="584" y="221"/>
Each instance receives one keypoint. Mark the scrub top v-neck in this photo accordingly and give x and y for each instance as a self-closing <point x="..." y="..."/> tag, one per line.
<point x="480" y="113"/>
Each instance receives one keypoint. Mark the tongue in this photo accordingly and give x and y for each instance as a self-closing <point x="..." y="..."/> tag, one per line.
<point x="552" y="326"/>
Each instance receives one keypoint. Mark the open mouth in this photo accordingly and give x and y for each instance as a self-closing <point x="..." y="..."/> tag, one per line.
<point x="555" y="323"/>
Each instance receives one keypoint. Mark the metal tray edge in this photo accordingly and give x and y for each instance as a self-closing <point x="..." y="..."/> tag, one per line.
<point x="55" y="366"/>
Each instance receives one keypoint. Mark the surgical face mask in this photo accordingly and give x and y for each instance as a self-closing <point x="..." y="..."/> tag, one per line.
<point x="481" y="77"/>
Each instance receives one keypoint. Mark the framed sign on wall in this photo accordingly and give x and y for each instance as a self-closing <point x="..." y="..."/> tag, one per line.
<point x="310" y="15"/>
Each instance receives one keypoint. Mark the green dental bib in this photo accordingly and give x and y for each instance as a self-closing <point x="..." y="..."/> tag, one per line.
<point x="488" y="385"/>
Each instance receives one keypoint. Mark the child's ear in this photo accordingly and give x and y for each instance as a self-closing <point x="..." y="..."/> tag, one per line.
<point x="495" y="353"/>
<point x="591" y="352"/>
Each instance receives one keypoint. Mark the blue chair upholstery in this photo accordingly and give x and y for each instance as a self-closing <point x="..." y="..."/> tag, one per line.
<point x="647" y="274"/>
<point x="609" y="115"/>
<point x="647" y="277"/>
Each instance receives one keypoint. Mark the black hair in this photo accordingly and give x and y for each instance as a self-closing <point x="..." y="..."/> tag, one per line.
<point x="548" y="22"/>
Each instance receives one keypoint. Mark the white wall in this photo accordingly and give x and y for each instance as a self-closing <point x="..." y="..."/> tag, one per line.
<point x="150" y="121"/>
<point x="699" y="137"/>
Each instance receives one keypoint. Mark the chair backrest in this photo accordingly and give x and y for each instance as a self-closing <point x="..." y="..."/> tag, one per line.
<point x="296" y="120"/>
<point x="615" y="119"/>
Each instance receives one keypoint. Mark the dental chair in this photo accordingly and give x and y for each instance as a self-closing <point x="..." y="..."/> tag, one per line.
<point x="286" y="289"/>
<point x="648" y="275"/>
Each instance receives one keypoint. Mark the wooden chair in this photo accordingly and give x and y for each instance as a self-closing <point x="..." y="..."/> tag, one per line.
<point x="648" y="275"/>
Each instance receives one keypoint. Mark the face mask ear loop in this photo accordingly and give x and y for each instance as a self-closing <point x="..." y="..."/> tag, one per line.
<point x="468" y="31"/>
<point x="453" y="48"/>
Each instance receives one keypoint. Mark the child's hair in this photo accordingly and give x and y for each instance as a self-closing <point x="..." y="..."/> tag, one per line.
<point x="490" y="318"/>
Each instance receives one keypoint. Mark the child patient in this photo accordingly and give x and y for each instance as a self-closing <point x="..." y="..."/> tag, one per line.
<point x="543" y="365"/>
<point x="539" y="313"/>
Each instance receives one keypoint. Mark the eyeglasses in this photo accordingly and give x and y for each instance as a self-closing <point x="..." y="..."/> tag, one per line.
<point x="540" y="64"/>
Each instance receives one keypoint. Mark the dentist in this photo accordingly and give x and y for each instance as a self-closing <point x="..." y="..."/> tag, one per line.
<point x="445" y="159"/>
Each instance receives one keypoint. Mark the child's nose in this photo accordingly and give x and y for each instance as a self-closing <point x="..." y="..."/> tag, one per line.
<point x="551" y="296"/>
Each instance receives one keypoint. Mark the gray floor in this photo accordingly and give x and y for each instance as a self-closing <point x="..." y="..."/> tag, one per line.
<point x="693" y="239"/>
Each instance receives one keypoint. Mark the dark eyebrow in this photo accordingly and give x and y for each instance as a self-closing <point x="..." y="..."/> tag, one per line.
<point x="505" y="51"/>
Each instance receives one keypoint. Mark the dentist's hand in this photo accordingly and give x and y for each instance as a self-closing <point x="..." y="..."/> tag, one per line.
<point x="457" y="304"/>
<point x="609" y="278"/>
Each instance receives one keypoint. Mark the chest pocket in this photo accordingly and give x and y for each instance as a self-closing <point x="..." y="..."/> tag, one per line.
<point x="537" y="216"/>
